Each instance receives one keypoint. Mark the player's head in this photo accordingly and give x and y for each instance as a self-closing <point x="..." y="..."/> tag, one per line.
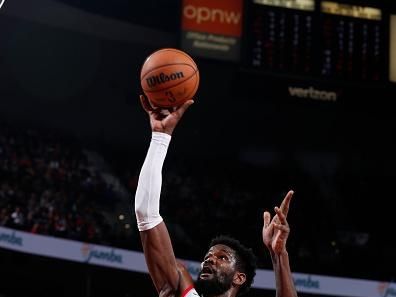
<point x="227" y="265"/>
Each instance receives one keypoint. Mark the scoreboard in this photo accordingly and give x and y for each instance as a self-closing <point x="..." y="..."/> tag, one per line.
<point x="332" y="41"/>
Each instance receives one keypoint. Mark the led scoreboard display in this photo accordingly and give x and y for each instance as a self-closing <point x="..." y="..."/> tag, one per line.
<point x="323" y="39"/>
<point x="352" y="42"/>
<point x="280" y="35"/>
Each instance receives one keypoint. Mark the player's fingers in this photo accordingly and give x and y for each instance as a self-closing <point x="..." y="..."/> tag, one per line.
<point x="286" y="202"/>
<point x="269" y="231"/>
<point x="182" y="108"/>
<point x="266" y="219"/>
<point x="146" y="104"/>
<point x="281" y="216"/>
<point x="283" y="228"/>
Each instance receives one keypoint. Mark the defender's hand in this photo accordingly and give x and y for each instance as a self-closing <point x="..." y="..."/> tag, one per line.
<point x="276" y="231"/>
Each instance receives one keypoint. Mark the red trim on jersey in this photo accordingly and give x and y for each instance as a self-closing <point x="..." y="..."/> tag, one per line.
<point x="188" y="289"/>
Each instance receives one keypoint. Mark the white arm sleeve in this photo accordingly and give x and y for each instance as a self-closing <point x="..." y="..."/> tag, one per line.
<point x="147" y="197"/>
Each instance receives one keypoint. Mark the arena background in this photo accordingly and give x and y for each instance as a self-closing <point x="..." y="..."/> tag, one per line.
<point x="69" y="78"/>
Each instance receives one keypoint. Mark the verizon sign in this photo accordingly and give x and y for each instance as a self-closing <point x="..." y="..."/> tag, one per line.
<point x="312" y="93"/>
<point x="212" y="28"/>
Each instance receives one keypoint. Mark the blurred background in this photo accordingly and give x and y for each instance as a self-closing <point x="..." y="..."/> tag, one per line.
<point x="294" y="94"/>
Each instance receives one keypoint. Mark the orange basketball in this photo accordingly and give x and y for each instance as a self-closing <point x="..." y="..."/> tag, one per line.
<point x="169" y="77"/>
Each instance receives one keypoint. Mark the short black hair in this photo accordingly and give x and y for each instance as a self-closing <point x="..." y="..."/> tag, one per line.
<point x="246" y="259"/>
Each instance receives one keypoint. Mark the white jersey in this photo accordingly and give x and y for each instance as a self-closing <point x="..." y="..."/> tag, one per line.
<point x="190" y="292"/>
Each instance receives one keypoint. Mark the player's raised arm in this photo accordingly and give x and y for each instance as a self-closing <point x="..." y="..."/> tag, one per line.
<point x="154" y="235"/>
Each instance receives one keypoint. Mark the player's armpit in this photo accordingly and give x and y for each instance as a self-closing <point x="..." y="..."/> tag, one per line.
<point x="186" y="280"/>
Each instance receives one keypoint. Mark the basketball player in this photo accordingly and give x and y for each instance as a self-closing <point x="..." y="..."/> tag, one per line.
<point x="228" y="267"/>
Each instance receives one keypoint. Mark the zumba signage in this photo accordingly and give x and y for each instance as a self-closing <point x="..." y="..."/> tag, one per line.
<point x="134" y="261"/>
<point x="212" y="28"/>
<point x="10" y="238"/>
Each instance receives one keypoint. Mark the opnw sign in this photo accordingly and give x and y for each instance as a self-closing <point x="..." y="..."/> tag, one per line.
<point x="212" y="28"/>
<point x="218" y="17"/>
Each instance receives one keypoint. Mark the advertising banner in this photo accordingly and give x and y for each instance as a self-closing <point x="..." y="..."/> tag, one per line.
<point x="212" y="29"/>
<point x="134" y="261"/>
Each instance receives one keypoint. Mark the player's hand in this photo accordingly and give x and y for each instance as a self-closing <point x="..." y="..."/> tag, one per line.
<point x="276" y="231"/>
<point x="164" y="119"/>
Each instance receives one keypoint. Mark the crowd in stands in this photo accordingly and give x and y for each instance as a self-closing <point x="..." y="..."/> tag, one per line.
<point x="48" y="186"/>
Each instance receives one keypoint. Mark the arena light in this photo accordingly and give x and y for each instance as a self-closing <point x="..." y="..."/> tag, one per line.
<point x="392" y="49"/>
<point x="363" y="12"/>
<point x="292" y="4"/>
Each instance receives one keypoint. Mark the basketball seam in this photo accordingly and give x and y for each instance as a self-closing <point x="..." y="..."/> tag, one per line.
<point x="160" y="90"/>
<point x="195" y="88"/>
<point x="164" y="65"/>
<point x="179" y="51"/>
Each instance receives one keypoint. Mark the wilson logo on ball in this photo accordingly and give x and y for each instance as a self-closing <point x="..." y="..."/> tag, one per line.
<point x="161" y="78"/>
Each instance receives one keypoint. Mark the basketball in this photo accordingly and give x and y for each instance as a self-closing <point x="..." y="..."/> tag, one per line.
<point x="169" y="77"/>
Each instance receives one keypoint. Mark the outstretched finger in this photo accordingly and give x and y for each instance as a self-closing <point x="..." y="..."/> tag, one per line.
<point x="146" y="104"/>
<point x="286" y="202"/>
